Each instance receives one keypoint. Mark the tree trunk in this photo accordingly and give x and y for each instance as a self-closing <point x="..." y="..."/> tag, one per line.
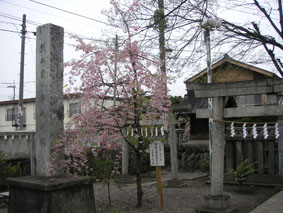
<point x="138" y="175"/>
<point x="109" y="194"/>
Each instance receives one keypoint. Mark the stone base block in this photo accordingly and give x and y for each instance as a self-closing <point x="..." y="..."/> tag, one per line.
<point x="31" y="194"/>
<point x="175" y="183"/>
<point x="216" y="211"/>
<point x="127" y="179"/>
<point x="216" y="202"/>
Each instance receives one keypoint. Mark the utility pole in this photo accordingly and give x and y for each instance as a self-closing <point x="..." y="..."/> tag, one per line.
<point x="172" y="134"/>
<point x="14" y="90"/>
<point x="115" y="71"/>
<point x="22" y="66"/>
<point x="161" y="28"/>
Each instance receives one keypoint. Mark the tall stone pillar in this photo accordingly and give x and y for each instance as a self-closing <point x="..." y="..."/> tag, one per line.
<point x="172" y="139"/>
<point x="218" y="146"/>
<point x="49" y="95"/>
<point x="173" y="147"/>
<point x="125" y="177"/>
<point x="125" y="159"/>
<point x="216" y="201"/>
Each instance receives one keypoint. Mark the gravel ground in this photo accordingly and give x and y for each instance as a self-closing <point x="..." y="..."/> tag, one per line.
<point x="176" y="200"/>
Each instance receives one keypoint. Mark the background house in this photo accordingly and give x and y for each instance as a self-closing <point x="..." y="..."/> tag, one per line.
<point x="225" y="70"/>
<point x="9" y="111"/>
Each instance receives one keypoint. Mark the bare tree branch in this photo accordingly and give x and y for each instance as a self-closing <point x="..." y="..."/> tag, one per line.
<point x="270" y="52"/>
<point x="280" y="15"/>
<point x="269" y="18"/>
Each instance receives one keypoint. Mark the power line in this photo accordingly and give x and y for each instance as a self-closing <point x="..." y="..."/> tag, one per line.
<point x="69" y="36"/>
<point x="32" y="9"/>
<point x="26" y="82"/>
<point x="29" y="91"/>
<point x="38" y="24"/>
<point x="9" y="16"/>
<point x="50" y="14"/>
<point x="66" y="11"/>
<point x="10" y="31"/>
<point x="6" y="22"/>
<point x="13" y="25"/>
<point x="33" y="56"/>
<point x="245" y="12"/>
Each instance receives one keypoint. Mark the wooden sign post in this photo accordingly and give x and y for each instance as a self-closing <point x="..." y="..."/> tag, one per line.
<point x="157" y="159"/>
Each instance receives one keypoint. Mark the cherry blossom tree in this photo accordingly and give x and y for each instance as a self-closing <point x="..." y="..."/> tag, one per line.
<point x="121" y="91"/>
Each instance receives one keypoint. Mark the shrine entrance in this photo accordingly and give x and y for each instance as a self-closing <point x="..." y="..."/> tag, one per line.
<point x="260" y="138"/>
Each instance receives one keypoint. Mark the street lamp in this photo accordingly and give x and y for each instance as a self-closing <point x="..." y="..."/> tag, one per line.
<point x="209" y="24"/>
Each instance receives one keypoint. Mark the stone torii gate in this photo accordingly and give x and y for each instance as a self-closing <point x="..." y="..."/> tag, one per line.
<point x="218" y="91"/>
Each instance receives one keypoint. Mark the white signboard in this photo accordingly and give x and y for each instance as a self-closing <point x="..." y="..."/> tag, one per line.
<point x="156" y="154"/>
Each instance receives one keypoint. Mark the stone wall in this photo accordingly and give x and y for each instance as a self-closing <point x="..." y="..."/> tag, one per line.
<point x="192" y="157"/>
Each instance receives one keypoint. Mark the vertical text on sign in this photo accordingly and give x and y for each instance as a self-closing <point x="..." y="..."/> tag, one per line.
<point x="157" y="154"/>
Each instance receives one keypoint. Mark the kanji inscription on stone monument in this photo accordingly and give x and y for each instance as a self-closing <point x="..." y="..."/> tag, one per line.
<point x="156" y="154"/>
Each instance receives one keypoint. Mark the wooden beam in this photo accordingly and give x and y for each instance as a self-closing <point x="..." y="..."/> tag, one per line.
<point x="248" y="111"/>
<point x="253" y="111"/>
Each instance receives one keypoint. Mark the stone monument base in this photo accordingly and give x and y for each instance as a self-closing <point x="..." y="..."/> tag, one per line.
<point x="215" y="204"/>
<point x="175" y="183"/>
<point x="126" y="179"/>
<point x="32" y="194"/>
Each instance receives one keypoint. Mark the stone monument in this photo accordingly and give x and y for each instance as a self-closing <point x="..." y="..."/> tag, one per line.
<point x="39" y="193"/>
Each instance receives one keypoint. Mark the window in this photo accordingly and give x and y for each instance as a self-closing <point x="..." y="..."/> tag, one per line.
<point x="74" y="108"/>
<point x="12" y="114"/>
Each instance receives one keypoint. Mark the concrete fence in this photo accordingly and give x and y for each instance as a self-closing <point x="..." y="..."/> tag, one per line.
<point x="17" y="145"/>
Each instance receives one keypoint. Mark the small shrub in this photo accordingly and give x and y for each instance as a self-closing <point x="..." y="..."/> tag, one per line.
<point x="243" y="171"/>
<point x="6" y="170"/>
<point x="205" y="165"/>
<point x="104" y="166"/>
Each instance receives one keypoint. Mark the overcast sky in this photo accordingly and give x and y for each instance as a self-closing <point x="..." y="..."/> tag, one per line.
<point x="11" y="12"/>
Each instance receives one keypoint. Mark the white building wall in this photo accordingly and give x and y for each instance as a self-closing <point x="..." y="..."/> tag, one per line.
<point x="6" y="126"/>
<point x="30" y="116"/>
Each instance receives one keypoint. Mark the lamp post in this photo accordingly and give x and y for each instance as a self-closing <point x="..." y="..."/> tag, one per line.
<point x="209" y="24"/>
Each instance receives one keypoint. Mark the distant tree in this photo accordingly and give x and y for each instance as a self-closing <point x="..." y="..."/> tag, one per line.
<point x="176" y="99"/>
